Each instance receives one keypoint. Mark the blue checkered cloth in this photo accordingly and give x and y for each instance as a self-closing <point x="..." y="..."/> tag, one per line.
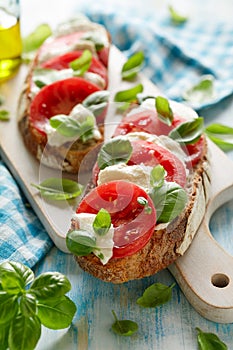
<point x="22" y="237"/>
<point x="177" y="56"/>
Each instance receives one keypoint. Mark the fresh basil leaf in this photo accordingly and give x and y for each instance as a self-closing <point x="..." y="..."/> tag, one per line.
<point x="24" y="333"/>
<point x="4" y="115"/>
<point x="221" y="135"/>
<point x="97" y="102"/>
<point x="56" y="314"/>
<point x="15" y="276"/>
<point x="176" y="17"/>
<point x="157" y="176"/>
<point x="79" y="243"/>
<point x="59" y="189"/>
<point x="28" y="304"/>
<point x="50" y="285"/>
<point x="209" y="341"/>
<point x="202" y="92"/>
<point x="129" y="95"/>
<point x="8" y="307"/>
<point x="124" y="327"/>
<point x="132" y="66"/>
<point x="169" y="201"/>
<point x="156" y="295"/>
<point x="115" y="151"/>
<point x="82" y="64"/>
<point x="4" y="332"/>
<point x="188" y="132"/>
<point x="164" y="110"/>
<point x="102" y="222"/>
<point x="35" y="39"/>
<point x="96" y="39"/>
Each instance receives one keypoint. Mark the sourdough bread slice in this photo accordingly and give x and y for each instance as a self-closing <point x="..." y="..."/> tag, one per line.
<point x="168" y="242"/>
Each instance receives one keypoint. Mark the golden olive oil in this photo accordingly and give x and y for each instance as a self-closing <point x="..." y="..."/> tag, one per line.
<point x="10" y="45"/>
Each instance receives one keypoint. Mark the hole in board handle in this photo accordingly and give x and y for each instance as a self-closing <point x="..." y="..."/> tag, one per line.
<point x="220" y="280"/>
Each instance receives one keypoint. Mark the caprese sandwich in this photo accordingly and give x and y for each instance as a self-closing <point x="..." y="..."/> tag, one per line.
<point x="62" y="106"/>
<point x="148" y="197"/>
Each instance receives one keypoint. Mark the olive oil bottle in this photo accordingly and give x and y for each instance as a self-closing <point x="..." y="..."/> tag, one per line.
<point x="10" y="40"/>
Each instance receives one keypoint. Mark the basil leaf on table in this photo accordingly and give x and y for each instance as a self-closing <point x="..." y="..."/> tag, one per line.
<point x="115" y="151"/>
<point x="102" y="222"/>
<point x="202" y="91"/>
<point x="14" y="277"/>
<point x="188" y="132"/>
<point x="221" y="135"/>
<point x="8" y="307"/>
<point x="28" y="304"/>
<point x="156" y="295"/>
<point x="124" y="327"/>
<point x="209" y="341"/>
<point x="164" y="110"/>
<point x="176" y="17"/>
<point x="59" y="189"/>
<point x="132" y="66"/>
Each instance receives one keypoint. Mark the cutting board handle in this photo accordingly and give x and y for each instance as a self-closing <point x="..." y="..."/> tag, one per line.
<point x="205" y="272"/>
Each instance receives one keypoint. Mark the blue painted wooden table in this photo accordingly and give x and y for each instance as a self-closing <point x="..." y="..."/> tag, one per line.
<point x="171" y="326"/>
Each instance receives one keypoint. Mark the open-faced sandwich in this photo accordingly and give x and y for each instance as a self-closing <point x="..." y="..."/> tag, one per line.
<point x="61" y="108"/>
<point x="148" y="194"/>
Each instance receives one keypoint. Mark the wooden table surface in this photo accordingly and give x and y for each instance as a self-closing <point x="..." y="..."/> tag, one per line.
<point x="171" y="326"/>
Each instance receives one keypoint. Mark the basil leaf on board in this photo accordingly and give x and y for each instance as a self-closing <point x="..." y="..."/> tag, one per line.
<point x="56" y="314"/>
<point x="169" y="201"/>
<point x="24" y="333"/>
<point x="221" y="135"/>
<point x="157" y="176"/>
<point x="156" y="295"/>
<point x="35" y="39"/>
<point x="50" y="285"/>
<point x="82" y="64"/>
<point x="124" y="327"/>
<point x="4" y="332"/>
<point x="164" y="110"/>
<point x="102" y="222"/>
<point x="188" y="132"/>
<point x="132" y="66"/>
<point x="97" y="102"/>
<point x="202" y="92"/>
<point x="117" y="150"/>
<point x="176" y="18"/>
<point x="209" y="341"/>
<point x="14" y="276"/>
<point x="8" y="307"/>
<point x="129" y="95"/>
<point x="59" y="189"/>
<point x="79" y="243"/>
<point x="4" y="115"/>
<point x="28" y="304"/>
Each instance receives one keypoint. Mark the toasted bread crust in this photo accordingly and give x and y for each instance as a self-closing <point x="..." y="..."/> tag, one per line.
<point x="165" y="245"/>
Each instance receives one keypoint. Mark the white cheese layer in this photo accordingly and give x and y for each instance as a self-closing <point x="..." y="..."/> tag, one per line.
<point x="103" y="243"/>
<point x="79" y="113"/>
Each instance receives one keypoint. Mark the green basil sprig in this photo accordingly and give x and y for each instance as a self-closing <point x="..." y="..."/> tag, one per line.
<point x="97" y="102"/>
<point x="124" y="327"/>
<point x="4" y="115"/>
<point x="132" y="66"/>
<point x="115" y="151"/>
<point x="202" y="91"/>
<point x="208" y="341"/>
<point x="188" y="132"/>
<point x="176" y="18"/>
<point x="221" y="135"/>
<point x="82" y="64"/>
<point x="59" y="188"/>
<point x="27" y="303"/>
<point x="164" y="110"/>
<point x="155" y="295"/>
<point x="169" y="198"/>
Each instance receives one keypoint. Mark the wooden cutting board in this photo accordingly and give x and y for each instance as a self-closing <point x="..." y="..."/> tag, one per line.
<point x="204" y="273"/>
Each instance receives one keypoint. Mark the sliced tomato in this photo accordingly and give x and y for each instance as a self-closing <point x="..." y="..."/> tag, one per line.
<point x="150" y="154"/>
<point x="63" y="61"/>
<point x="58" y="98"/>
<point x="133" y="223"/>
<point x="148" y="121"/>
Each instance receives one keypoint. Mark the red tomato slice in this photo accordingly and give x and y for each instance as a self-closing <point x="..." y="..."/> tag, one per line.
<point x="63" y="61"/>
<point x="148" y="121"/>
<point x="133" y="225"/>
<point x="58" y="98"/>
<point x="148" y="153"/>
